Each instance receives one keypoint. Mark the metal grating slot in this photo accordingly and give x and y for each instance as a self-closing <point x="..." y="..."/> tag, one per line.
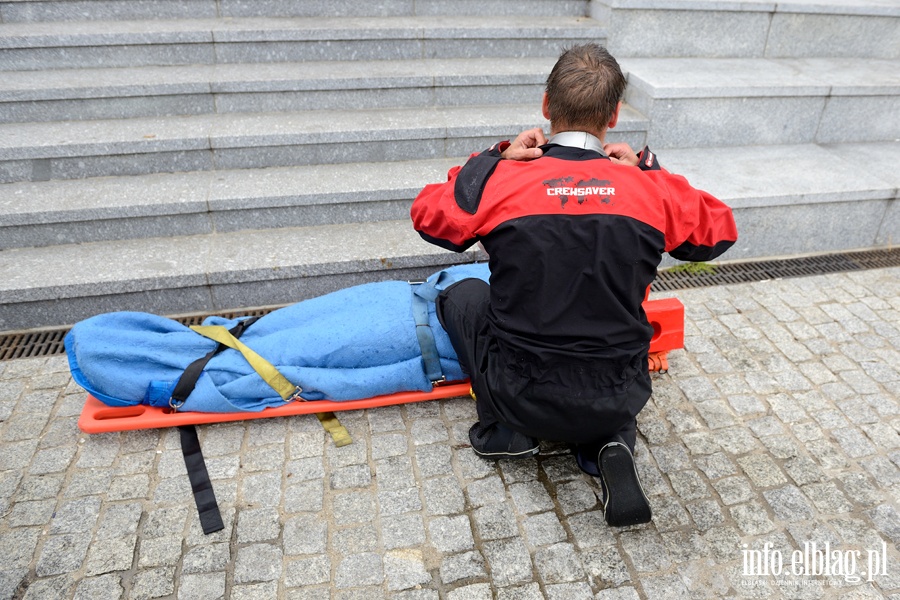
<point x="675" y="279"/>
<point x="30" y="344"/>
<point x="875" y="259"/>
<point x="34" y="344"/>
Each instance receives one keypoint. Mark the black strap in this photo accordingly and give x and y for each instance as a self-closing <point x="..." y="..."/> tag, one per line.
<point x="431" y="359"/>
<point x="188" y="379"/>
<point x="205" y="498"/>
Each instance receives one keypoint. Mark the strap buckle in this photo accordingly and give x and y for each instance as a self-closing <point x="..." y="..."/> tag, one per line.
<point x="175" y="404"/>
<point x="295" y="396"/>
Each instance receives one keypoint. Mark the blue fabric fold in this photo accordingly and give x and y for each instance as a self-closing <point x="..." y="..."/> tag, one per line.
<point x="354" y="343"/>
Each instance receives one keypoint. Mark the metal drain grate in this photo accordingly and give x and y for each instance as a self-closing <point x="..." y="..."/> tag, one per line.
<point x="49" y="342"/>
<point x="30" y="344"/>
<point x="676" y="279"/>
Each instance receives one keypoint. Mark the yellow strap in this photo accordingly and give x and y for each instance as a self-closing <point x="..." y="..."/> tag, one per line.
<point x="338" y="432"/>
<point x="269" y="373"/>
<point x="278" y="382"/>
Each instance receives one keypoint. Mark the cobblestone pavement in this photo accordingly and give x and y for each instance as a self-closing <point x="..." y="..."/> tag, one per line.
<point x="772" y="443"/>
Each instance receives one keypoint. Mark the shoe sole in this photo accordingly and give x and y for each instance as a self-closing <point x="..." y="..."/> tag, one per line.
<point x="629" y="505"/>
<point x="523" y="454"/>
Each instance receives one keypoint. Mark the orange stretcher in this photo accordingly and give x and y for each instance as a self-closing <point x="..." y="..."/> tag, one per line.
<point x="666" y="316"/>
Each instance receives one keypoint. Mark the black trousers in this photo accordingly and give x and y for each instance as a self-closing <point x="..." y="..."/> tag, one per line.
<point x="462" y="310"/>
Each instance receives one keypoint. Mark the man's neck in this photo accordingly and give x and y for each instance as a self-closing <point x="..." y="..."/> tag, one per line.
<point x="578" y="139"/>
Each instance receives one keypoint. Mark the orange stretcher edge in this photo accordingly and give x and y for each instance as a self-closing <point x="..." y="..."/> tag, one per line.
<point x="666" y="316"/>
<point x="97" y="417"/>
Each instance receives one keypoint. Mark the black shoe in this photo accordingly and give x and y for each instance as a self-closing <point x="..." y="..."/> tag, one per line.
<point x="624" y="501"/>
<point x="499" y="441"/>
<point x="586" y="458"/>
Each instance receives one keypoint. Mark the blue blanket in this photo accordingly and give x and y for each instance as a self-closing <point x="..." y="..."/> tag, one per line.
<point x="354" y="343"/>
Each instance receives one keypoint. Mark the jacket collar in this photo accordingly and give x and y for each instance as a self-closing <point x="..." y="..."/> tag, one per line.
<point x="578" y="139"/>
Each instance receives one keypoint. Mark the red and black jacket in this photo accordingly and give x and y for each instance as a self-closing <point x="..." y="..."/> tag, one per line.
<point x="574" y="240"/>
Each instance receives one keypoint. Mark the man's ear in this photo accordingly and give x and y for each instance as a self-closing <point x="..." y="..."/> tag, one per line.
<point x="615" y="117"/>
<point x="545" y="106"/>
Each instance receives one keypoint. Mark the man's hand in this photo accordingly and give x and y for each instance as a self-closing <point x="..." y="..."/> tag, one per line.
<point x="525" y="146"/>
<point x="621" y="154"/>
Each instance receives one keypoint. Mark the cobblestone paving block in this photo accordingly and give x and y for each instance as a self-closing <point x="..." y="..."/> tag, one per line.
<point x="472" y="466"/>
<point x="558" y="563"/>
<point x="443" y="496"/>
<point x="589" y="530"/>
<point x="476" y="591"/>
<point x="204" y="586"/>
<point x="668" y="513"/>
<point x="308" y="571"/>
<point x="305" y="534"/>
<point x="307" y="496"/>
<point x="395" y="473"/>
<point x="509" y="562"/>
<point x="577" y="496"/>
<point x="52" y="588"/>
<point x="700" y="443"/>
<point x="689" y="485"/>
<point x="111" y="555"/>
<point x="778" y="425"/>
<point x="451" y="534"/>
<point x="482" y="492"/>
<point x="569" y="591"/>
<point x="62" y="554"/>
<point x="386" y="419"/>
<point x="104" y="587"/>
<point x="359" y="570"/>
<point x="466" y="565"/>
<point x="351" y="507"/>
<point x="705" y="513"/>
<point x="789" y="503"/>
<point x="665" y="586"/>
<point x="405" y="569"/>
<point x="543" y="529"/>
<point x="645" y="549"/>
<point x="153" y="583"/>
<point x="751" y="518"/>
<point x="356" y="540"/>
<point x="392" y="444"/>
<point x="402" y="531"/>
<point x="624" y="593"/>
<point x="762" y="470"/>
<point x="396" y="502"/>
<point x="530" y="497"/>
<point x="433" y="460"/>
<point x="207" y="558"/>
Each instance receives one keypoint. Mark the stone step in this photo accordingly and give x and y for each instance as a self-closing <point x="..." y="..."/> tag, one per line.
<point x="178" y="204"/>
<point x="23" y="11"/>
<point x="787" y="200"/>
<point x="86" y="94"/>
<point x="79" y="149"/>
<point x="70" y="45"/>
<point x="799" y="199"/>
<point x="63" y="284"/>
<point x="758" y="28"/>
<point x="717" y="102"/>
